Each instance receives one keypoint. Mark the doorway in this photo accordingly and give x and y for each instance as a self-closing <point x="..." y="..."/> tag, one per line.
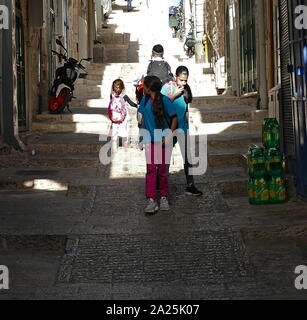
<point x="248" y="46"/>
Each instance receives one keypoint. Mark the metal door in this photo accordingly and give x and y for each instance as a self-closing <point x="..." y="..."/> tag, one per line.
<point x="20" y="61"/>
<point x="248" y="46"/>
<point x="298" y="70"/>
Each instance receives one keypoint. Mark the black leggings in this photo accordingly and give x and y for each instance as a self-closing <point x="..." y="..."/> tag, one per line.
<point x="186" y="155"/>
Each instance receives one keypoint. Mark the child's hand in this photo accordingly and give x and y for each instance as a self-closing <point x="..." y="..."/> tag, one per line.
<point x="179" y="91"/>
<point x="167" y="141"/>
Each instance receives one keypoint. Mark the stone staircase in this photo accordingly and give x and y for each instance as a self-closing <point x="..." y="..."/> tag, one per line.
<point x="72" y="141"/>
<point x="69" y="144"/>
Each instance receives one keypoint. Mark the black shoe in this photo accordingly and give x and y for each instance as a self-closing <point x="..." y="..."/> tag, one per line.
<point x="193" y="191"/>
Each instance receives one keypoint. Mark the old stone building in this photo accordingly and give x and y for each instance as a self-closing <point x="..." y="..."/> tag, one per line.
<point x="35" y="25"/>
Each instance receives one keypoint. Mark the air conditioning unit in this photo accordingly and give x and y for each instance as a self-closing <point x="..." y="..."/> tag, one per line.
<point x="274" y="103"/>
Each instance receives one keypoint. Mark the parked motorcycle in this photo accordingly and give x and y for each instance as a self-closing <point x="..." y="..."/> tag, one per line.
<point x="62" y="90"/>
<point x="190" y="42"/>
<point x="189" y="45"/>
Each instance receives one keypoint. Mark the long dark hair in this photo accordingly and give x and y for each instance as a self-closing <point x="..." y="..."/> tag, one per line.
<point x="154" y="84"/>
<point x="188" y="96"/>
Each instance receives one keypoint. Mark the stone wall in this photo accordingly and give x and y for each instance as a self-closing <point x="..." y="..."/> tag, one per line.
<point x="215" y="24"/>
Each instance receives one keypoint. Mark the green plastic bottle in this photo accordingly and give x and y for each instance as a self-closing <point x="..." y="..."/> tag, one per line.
<point x="277" y="184"/>
<point x="261" y="192"/>
<point x="266" y="133"/>
<point x="256" y="162"/>
<point x="275" y="163"/>
<point x="251" y="191"/>
<point x="278" y="192"/>
<point x="275" y="134"/>
<point x="258" y="191"/>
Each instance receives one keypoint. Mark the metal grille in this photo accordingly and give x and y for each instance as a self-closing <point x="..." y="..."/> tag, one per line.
<point x="248" y="46"/>
<point x="286" y="79"/>
<point x="298" y="57"/>
<point x="20" y="61"/>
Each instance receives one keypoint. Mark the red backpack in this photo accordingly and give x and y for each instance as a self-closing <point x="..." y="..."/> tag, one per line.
<point x="139" y="92"/>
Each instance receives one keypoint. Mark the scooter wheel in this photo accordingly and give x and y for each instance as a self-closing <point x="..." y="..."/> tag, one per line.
<point x="57" y="105"/>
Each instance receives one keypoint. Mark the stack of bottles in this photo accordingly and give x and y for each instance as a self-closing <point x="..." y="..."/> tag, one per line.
<point x="266" y="168"/>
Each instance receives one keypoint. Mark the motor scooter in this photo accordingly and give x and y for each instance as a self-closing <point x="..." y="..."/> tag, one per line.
<point x="189" y="45"/>
<point x="61" y="93"/>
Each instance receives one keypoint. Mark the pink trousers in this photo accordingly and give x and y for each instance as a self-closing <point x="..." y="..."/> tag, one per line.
<point x="158" y="160"/>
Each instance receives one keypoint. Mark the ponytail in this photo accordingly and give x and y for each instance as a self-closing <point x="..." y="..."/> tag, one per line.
<point x="154" y="84"/>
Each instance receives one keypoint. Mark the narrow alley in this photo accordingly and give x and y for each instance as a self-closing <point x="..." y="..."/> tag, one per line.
<point x="72" y="227"/>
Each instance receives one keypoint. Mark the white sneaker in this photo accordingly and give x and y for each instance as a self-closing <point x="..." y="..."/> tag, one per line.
<point x="152" y="206"/>
<point x="164" y="204"/>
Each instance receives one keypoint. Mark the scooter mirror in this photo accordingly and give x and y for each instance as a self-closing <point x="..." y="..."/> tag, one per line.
<point x="58" y="42"/>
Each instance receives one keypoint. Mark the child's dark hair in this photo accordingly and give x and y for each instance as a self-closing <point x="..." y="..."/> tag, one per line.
<point x="182" y="70"/>
<point x="120" y="83"/>
<point x="188" y="96"/>
<point x="158" y="51"/>
<point x="154" y="84"/>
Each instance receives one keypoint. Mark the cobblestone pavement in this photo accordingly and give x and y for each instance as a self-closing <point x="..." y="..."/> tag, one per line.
<point x="107" y="248"/>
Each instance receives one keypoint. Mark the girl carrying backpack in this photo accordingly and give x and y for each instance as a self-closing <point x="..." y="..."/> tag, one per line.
<point x="179" y="92"/>
<point x="159" y="120"/>
<point x="118" y="113"/>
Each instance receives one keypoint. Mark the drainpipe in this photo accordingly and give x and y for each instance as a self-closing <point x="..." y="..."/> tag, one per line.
<point x="9" y="84"/>
<point x="261" y="48"/>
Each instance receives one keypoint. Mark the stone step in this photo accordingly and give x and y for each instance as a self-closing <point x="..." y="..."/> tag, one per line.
<point x="81" y="92"/>
<point x="44" y="178"/>
<point x="224" y="101"/>
<point x="93" y="77"/>
<point x="234" y="114"/>
<point x="116" y="59"/>
<point x="229" y="128"/>
<point x="68" y="143"/>
<point x="89" y="89"/>
<point x="114" y="38"/>
<point x="78" y="127"/>
<point x="220" y="142"/>
<point x="231" y="180"/>
<point x="67" y="160"/>
<point x="227" y="158"/>
<point x="87" y="103"/>
<point x="89" y="82"/>
<point x="104" y="72"/>
<point x="83" y="160"/>
<point x="115" y="47"/>
<point x="78" y="115"/>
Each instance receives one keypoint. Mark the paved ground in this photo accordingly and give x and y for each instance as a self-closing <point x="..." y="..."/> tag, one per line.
<point x="100" y="245"/>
